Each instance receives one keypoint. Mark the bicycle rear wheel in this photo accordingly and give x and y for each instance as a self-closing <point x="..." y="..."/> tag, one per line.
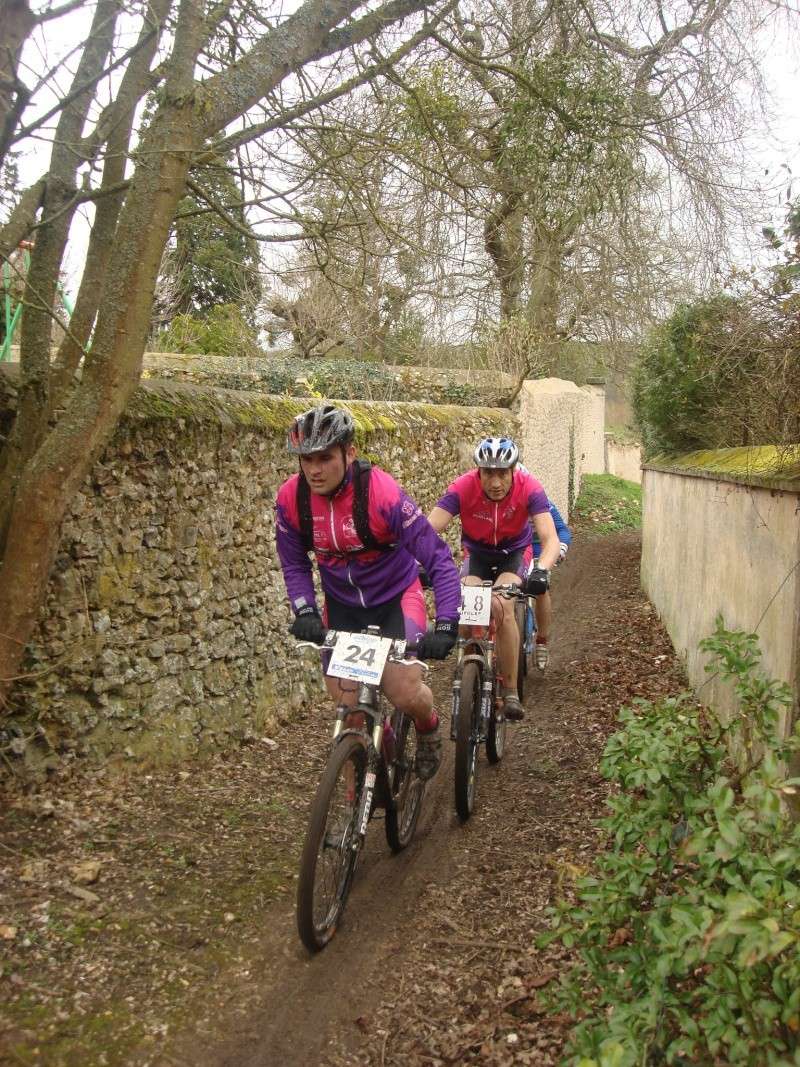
<point x="522" y="659"/>
<point x="405" y="802"/>
<point x="332" y="845"/>
<point x="467" y="734"/>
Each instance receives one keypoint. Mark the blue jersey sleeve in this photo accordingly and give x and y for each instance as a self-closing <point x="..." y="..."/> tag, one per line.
<point x="563" y="531"/>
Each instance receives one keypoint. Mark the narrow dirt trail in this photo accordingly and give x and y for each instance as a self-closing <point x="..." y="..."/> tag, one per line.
<point x="436" y="961"/>
<point x="184" y="950"/>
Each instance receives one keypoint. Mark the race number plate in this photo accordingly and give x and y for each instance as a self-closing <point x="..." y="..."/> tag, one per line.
<point x="476" y="605"/>
<point x="360" y="657"/>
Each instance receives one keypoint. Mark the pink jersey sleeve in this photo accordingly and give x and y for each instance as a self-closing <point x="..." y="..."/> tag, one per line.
<point x="535" y="496"/>
<point x="452" y="497"/>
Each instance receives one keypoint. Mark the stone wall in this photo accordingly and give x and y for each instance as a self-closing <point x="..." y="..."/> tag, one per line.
<point x="344" y="378"/>
<point x="165" y="625"/>
<point x="720" y="534"/>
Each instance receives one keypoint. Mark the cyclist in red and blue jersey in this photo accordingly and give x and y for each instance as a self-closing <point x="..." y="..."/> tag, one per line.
<point x="543" y="604"/>
<point x="501" y="507"/>
<point x="367" y="535"/>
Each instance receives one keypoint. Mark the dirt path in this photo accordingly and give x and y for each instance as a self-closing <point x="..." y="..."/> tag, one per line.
<point x="436" y="962"/>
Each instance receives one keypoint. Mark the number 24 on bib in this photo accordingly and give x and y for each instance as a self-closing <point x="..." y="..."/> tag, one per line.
<point x="360" y="657"/>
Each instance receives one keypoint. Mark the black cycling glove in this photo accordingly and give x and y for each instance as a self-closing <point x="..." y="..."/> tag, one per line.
<point x="307" y="626"/>
<point x="439" y="643"/>
<point x="538" y="582"/>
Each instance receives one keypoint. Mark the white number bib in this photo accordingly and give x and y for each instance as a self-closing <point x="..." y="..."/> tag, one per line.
<point x="476" y="605"/>
<point x="360" y="657"/>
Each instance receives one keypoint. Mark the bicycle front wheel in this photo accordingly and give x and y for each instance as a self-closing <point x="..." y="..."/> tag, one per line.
<point x="496" y="735"/>
<point x="332" y="844"/>
<point x="402" y="811"/>
<point x="467" y="733"/>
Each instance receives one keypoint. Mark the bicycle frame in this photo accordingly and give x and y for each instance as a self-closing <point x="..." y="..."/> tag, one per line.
<point x="370" y="705"/>
<point x="483" y="639"/>
<point x="380" y="776"/>
<point x="363" y="771"/>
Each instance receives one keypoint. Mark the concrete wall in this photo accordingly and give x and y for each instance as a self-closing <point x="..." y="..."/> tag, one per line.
<point x="561" y="435"/>
<point x="623" y="460"/>
<point x="720" y="542"/>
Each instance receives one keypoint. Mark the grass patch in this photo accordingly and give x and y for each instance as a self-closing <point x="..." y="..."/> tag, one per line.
<point x="607" y="504"/>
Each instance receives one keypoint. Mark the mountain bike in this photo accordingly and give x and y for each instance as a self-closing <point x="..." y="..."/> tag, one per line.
<point x="477" y="707"/>
<point x="371" y="765"/>
<point x="526" y="624"/>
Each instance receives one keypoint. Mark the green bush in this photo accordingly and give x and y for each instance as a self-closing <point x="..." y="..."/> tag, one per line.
<point x="690" y="365"/>
<point x="224" y="331"/>
<point x="687" y="932"/>
<point x="725" y="371"/>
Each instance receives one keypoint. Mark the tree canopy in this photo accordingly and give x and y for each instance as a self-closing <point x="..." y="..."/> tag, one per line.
<point x="217" y="78"/>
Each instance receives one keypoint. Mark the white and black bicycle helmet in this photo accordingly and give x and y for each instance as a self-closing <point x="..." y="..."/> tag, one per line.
<point x="498" y="452"/>
<point x="319" y="428"/>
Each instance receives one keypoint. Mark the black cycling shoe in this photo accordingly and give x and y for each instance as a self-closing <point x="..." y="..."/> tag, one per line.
<point x="429" y="755"/>
<point x="512" y="707"/>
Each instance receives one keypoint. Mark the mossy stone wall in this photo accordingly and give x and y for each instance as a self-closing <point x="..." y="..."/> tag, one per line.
<point x="345" y="378"/>
<point x="165" y="626"/>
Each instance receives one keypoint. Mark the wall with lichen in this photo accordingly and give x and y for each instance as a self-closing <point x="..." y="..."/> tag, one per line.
<point x="165" y="626"/>
<point x="343" y="378"/>
<point x="720" y="535"/>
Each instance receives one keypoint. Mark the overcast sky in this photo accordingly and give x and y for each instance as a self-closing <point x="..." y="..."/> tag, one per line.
<point x="777" y="151"/>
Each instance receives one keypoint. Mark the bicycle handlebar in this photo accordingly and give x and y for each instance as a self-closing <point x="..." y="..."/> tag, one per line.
<point x="509" y="590"/>
<point x="396" y="654"/>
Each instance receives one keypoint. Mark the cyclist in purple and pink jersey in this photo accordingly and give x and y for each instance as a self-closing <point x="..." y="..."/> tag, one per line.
<point x="367" y="535"/>
<point x="501" y="508"/>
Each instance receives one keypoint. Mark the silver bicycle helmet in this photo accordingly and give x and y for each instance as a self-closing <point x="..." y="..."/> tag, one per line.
<point x="498" y="452"/>
<point x="319" y="428"/>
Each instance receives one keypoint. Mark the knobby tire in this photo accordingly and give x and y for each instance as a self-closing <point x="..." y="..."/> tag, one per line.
<point x="496" y="735"/>
<point x="405" y="802"/>
<point x="466" y="740"/>
<point x="522" y="659"/>
<point x="326" y="868"/>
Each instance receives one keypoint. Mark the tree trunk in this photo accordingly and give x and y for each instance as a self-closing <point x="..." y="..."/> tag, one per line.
<point x="543" y="304"/>
<point x="41" y="283"/>
<point x="17" y="20"/>
<point x="503" y="241"/>
<point x="111" y="372"/>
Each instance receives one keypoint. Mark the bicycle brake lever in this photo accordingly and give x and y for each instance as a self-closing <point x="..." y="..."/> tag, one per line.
<point x="412" y="663"/>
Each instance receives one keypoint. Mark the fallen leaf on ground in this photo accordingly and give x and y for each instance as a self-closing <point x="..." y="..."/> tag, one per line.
<point x="83" y="894"/>
<point x="86" y="872"/>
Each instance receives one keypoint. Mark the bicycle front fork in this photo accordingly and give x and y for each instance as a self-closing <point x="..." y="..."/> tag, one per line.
<point x="456" y="708"/>
<point x="529" y="637"/>
<point x="487" y="698"/>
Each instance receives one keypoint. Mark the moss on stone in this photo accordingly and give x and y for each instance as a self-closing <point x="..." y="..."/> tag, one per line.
<point x="769" y="465"/>
<point x="115" y="582"/>
<point x="262" y="411"/>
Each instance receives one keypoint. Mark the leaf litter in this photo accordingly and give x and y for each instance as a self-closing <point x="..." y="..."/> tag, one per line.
<point x="184" y="866"/>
